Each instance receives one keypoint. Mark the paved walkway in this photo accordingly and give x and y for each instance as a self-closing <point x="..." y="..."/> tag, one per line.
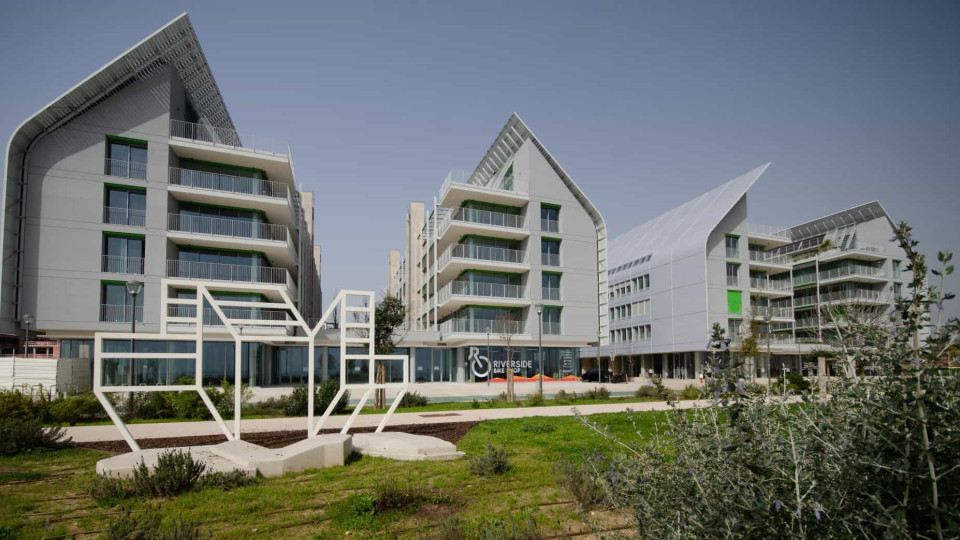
<point x="188" y="429"/>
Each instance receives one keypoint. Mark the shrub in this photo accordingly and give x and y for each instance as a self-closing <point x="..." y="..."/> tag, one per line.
<point x="295" y="403"/>
<point x="475" y="403"/>
<point x="499" y="398"/>
<point x="225" y="481"/>
<point x="413" y="399"/>
<point x="647" y="391"/>
<point x="538" y="428"/>
<point x="597" y="392"/>
<point x="690" y="391"/>
<point x="580" y="483"/>
<point x="535" y="400"/>
<point x="20" y="435"/>
<point x="175" y="472"/>
<point x="16" y="405"/>
<point x="561" y="395"/>
<point x="108" y="490"/>
<point x="795" y="383"/>
<point x="494" y="461"/>
<point x="520" y="526"/>
<point x="149" y="525"/>
<point x="83" y="407"/>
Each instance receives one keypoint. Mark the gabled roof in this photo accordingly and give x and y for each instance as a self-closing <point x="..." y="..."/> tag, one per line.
<point x="846" y="218"/>
<point x="682" y="231"/>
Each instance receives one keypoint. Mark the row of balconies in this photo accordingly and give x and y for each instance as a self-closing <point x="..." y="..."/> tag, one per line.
<point x="493" y="327"/>
<point x="852" y="295"/>
<point x="203" y="271"/>
<point x="847" y="271"/>
<point x="233" y="228"/>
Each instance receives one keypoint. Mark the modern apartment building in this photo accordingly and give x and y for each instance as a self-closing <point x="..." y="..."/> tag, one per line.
<point x="672" y="278"/>
<point x="515" y="234"/>
<point x="138" y="174"/>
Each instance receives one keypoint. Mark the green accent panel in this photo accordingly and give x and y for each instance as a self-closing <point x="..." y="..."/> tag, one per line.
<point x="551" y="272"/>
<point x="551" y="238"/>
<point x="734" y="262"/>
<point x="512" y="308"/>
<point x="188" y="161"/>
<point x="735" y="301"/>
<point x="550" y="205"/>
<point x="731" y="235"/>
<point x="126" y="235"/>
<point x="485" y="203"/>
<point x="464" y="237"/>
<point x="224" y="207"/>
<point x="126" y="187"/>
<point x="493" y="272"/>
<point x="206" y="248"/>
<point x="112" y="282"/>
<point x="126" y="140"/>
<point x="551" y="306"/>
<point x="225" y="293"/>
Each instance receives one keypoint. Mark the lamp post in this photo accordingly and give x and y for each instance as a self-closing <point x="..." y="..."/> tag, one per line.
<point x="540" y="347"/>
<point x="767" y="319"/>
<point x="27" y="320"/>
<point x="489" y="360"/>
<point x="134" y="287"/>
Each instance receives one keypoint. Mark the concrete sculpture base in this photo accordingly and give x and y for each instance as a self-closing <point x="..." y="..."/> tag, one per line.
<point x="404" y="446"/>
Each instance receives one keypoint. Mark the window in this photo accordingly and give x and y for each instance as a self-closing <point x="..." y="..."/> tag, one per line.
<point x="551" y="321"/>
<point x="551" y="286"/>
<point x="127" y="158"/>
<point x="125" y="206"/>
<point x="733" y="329"/>
<point x="116" y="304"/>
<point x="733" y="246"/>
<point x="123" y="253"/>
<point x="897" y="290"/>
<point x="549" y="218"/>
<point x="896" y="269"/>
<point x="733" y="274"/>
<point x="735" y="301"/>
<point x="549" y="252"/>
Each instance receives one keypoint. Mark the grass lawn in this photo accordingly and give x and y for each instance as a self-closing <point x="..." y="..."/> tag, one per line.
<point x="42" y="494"/>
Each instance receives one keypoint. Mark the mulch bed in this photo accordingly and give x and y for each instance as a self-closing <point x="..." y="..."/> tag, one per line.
<point x="449" y="431"/>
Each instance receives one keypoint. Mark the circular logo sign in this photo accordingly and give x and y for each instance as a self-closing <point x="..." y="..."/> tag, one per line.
<point x="480" y="365"/>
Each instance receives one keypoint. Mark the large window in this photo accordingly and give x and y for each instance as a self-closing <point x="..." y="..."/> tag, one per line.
<point x="549" y="252"/>
<point x="733" y="246"/>
<point x="551" y="321"/>
<point x="123" y="253"/>
<point x="127" y="158"/>
<point x="116" y="304"/>
<point x="733" y="274"/>
<point x="549" y="218"/>
<point x="125" y="206"/>
<point x="551" y="286"/>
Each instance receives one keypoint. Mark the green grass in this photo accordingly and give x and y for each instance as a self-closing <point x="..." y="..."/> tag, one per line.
<point x="329" y="502"/>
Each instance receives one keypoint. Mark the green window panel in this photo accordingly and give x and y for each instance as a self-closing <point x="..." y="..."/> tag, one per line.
<point x="735" y="301"/>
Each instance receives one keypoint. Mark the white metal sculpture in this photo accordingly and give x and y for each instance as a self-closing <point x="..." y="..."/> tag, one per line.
<point x="356" y="329"/>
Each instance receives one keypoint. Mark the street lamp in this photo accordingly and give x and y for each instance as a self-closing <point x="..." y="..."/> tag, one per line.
<point x="767" y="319"/>
<point x="539" y="307"/>
<point x="27" y="320"/>
<point x="489" y="360"/>
<point x="134" y="287"/>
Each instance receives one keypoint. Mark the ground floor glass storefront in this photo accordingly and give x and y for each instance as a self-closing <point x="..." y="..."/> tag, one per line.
<point x="483" y="363"/>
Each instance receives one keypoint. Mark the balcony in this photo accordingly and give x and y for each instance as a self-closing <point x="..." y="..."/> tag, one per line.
<point x="115" y="264"/>
<point x="125" y="169"/>
<point x="777" y="339"/>
<point x="853" y="272"/>
<point x="458" y="293"/>
<point x="550" y="225"/>
<point x="275" y="199"/>
<point x="773" y="312"/>
<point x="865" y="251"/>
<point x="460" y="257"/>
<point x="769" y="261"/>
<point x="768" y="235"/>
<point x="770" y="287"/>
<point x="550" y="259"/>
<point x="124" y="216"/>
<point x="211" y="319"/>
<point x="235" y="273"/>
<point x="120" y="313"/>
<point x="233" y="228"/>
<point x="209" y="143"/>
<point x="457" y="189"/>
<point x="550" y="293"/>
<point x="460" y="221"/>
<point x="480" y="326"/>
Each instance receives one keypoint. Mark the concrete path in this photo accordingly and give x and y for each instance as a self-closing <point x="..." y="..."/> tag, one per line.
<point x="188" y="429"/>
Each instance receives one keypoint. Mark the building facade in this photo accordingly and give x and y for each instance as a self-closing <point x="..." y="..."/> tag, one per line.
<point x="704" y="263"/>
<point x="515" y="235"/>
<point x="138" y="174"/>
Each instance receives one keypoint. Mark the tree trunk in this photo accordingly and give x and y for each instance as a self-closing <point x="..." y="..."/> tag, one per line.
<point x="380" y="400"/>
<point x="510" y="396"/>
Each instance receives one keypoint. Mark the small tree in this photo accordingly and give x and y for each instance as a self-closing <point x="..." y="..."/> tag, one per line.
<point x="390" y="314"/>
<point x="748" y="344"/>
<point x="505" y="327"/>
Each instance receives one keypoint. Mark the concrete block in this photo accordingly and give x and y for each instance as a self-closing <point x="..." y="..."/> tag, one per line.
<point x="404" y="446"/>
<point x="268" y="462"/>
<point x="122" y="466"/>
<point x="317" y="452"/>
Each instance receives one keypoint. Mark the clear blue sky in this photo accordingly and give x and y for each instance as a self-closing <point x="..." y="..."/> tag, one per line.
<point x="645" y="104"/>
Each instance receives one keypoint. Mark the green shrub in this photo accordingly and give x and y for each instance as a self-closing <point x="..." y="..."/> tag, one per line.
<point x="494" y="461"/>
<point x="499" y="398"/>
<point x="413" y="399"/>
<point x="83" y="407"/>
<point x="538" y="428"/>
<point x="535" y="400"/>
<point x="475" y="403"/>
<point x="295" y="403"/>
<point x="794" y="382"/>
<point x="225" y="481"/>
<point x="690" y="391"/>
<point x="580" y="483"/>
<point x="175" y="472"/>
<point x="108" y="490"/>
<point x="520" y="526"/>
<point x="560" y="395"/>
<point x="19" y="435"/>
<point x="597" y="392"/>
<point x="16" y="405"/>
<point x="149" y="525"/>
<point x="647" y="391"/>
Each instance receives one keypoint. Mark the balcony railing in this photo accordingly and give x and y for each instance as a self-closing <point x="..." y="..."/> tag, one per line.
<point x="210" y="317"/>
<point x="863" y="247"/>
<point x="551" y="293"/>
<point x="226" y="183"/>
<point x="769" y="258"/>
<point x="551" y="328"/>
<point x="769" y="230"/>
<point x="777" y="339"/>
<point x="480" y="326"/>
<point x="482" y="253"/>
<point x="773" y="311"/>
<point x="230" y="138"/>
<point x="126" y="169"/>
<point x="492" y="290"/>
<point x="550" y="259"/>
<point x="852" y="270"/>
<point x="486" y="217"/>
<point x="851" y="295"/>
<point x="771" y="284"/>
<point x="234" y="228"/>
<point x="119" y="313"/>
<point x="549" y="225"/>
<point x="227" y="272"/>
<point x="124" y="216"/>
<point x="115" y="264"/>
<point x="504" y="184"/>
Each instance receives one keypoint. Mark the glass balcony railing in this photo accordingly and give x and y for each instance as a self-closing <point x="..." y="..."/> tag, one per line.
<point x="234" y="228"/>
<point x="769" y="230"/>
<point x="120" y="313"/>
<point x="485" y="217"/>
<point x="492" y="290"/>
<point x="768" y="258"/>
<point x="770" y="284"/>
<point x="227" y="272"/>
<point x="126" y="169"/>
<point x="482" y="253"/>
<point x="228" y="184"/>
<point x="210" y="317"/>
<point x="480" y="326"/>
<point x="116" y="264"/>
<point x="235" y="140"/>
<point x="773" y="311"/>
<point x="852" y="270"/>
<point x="124" y="216"/>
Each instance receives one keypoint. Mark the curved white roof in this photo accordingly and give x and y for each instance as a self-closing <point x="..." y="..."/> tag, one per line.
<point x="682" y="231"/>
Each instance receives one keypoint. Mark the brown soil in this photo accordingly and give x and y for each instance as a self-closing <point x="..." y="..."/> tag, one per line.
<point x="451" y="432"/>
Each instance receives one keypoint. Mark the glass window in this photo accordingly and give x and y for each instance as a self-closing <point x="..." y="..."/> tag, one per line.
<point x="550" y="252"/>
<point x="127" y="159"/>
<point x="733" y="274"/>
<point x="733" y="246"/>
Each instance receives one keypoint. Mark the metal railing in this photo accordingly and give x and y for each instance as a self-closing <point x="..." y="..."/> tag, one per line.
<point x="484" y="217"/>
<point x="549" y="225"/>
<point x="550" y="259"/>
<point x="769" y="230"/>
<point x="119" y="313"/>
<point x="769" y="258"/>
<point x="468" y="288"/>
<point x="480" y="326"/>
<point x="235" y="228"/>
<point x="210" y="317"/>
<point x="550" y="293"/>
<point x="773" y="311"/>
<point x="771" y="284"/>
<point x="116" y="264"/>
<point x="227" y="183"/>
<point x="852" y="270"/>
<point x="863" y="247"/>
<point x="126" y="169"/>
<point x="483" y="253"/>
<point x="124" y="216"/>
<point x="854" y="294"/>
<point x="776" y="339"/>
<point x="551" y="329"/>
<point x="230" y="138"/>
<point x="227" y="272"/>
